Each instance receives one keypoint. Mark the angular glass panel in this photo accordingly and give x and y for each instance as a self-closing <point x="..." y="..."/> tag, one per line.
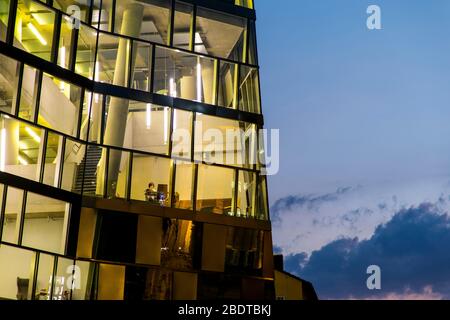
<point x="94" y="107"/>
<point x="219" y="34"/>
<point x="59" y="105"/>
<point x="244" y="250"/>
<point x="65" y="42"/>
<point x="85" y="53"/>
<point x="20" y="148"/>
<point x="155" y="22"/>
<point x="178" y="244"/>
<point x="45" y="223"/>
<point x="183" y="186"/>
<point x="184" y="75"/>
<point x="52" y="160"/>
<point x="249" y="90"/>
<point x="141" y="67"/>
<point x="147" y="126"/>
<point x="13" y="209"/>
<point x="94" y="171"/>
<point x="118" y="169"/>
<point x="28" y="92"/>
<point x="182" y="134"/>
<point x="113" y="59"/>
<point x="101" y="16"/>
<point x="16" y="268"/>
<point x="81" y="289"/>
<point x="4" y="15"/>
<point x="44" y="277"/>
<point x="62" y="282"/>
<point x="246" y="194"/>
<point x="252" y="57"/>
<point x="182" y="25"/>
<point x="151" y="179"/>
<point x="8" y="81"/>
<point x="34" y="28"/>
<point x="73" y="167"/>
<point x="225" y="141"/>
<point x="215" y="190"/>
<point x="227" y="85"/>
<point x="262" y="210"/>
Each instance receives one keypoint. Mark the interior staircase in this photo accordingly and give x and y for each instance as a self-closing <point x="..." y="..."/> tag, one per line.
<point x="89" y="166"/>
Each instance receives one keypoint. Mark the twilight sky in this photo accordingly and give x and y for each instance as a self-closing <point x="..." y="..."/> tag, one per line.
<point x="365" y="142"/>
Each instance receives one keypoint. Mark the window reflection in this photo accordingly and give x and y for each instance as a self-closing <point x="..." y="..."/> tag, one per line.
<point x="215" y="190"/>
<point x="178" y="244"/>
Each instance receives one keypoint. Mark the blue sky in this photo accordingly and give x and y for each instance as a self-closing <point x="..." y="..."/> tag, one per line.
<point x="364" y="121"/>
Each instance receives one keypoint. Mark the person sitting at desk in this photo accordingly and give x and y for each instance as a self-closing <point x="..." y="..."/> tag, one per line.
<point x="150" y="193"/>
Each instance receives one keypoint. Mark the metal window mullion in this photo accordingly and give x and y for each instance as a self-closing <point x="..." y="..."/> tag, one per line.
<point x="194" y="120"/>
<point x="80" y="113"/>
<point x="56" y="36"/>
<point x="235" y="191"/>
<point x="17" y="89"/>
<point x="3" y="209"/>
<point x="112" y="18"/>
<point x="21" y="218"/>
<point x="172" y="183"/>
<point x="193" y="28"/>
<point x="11" y="22"/>
<point x="54" y="271"/>
<point x="237" y="75"/>
<point x="129" y="177"/>
<point x="194" y="187"/>
<point x="245" y="43"/>
<point x="35" y="274"/>
<point x="42" y="156"/>
<point x="102" y="120"/>
<point x="171" y="22"/>
<point x="37" y="95"/>
<point x="105" y="178"/>
<point x="152" y="70"/>
<point x="217" y="63"/>
<point x="61" y="161"/>
<point x="73" y="49"/>
<point x="129" y="80"/>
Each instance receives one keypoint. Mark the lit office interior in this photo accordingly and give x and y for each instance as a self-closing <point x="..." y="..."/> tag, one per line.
<point x="70" y="136"/>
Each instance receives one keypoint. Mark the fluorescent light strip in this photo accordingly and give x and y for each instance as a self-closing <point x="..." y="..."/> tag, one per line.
<point x="96" y="78"/>
<point x="33" y="134"/>
<point x="36" y="33"/>
<point x="199" y="81"/>
<point x="172" y="88"/>
<point x="166" y="131"/>
<point x="148" y="116"/>
<point x="22" y="161"/>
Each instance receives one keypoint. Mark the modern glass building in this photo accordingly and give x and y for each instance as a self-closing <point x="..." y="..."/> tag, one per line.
<point x="121" y="173"/>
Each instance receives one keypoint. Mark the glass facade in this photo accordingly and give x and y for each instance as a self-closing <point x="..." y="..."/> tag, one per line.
<point x="132" y="119"/>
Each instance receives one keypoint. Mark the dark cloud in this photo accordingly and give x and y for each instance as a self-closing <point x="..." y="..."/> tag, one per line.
<point x="308" y="201"/>
<point x="411" y="250"/>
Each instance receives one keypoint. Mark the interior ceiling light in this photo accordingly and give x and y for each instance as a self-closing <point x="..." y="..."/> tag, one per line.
<point x="33" y="134"/>
<point x="36" y="33"/>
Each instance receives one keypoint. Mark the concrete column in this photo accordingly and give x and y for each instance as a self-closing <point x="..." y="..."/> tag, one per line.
<point x="118" y="108"/>
<point x="11" y="142"/>
<point x="208" y="84"/>
<point x="188" y="88"/>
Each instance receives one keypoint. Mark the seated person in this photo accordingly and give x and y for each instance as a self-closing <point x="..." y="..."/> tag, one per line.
<point x="150" y="193"/>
